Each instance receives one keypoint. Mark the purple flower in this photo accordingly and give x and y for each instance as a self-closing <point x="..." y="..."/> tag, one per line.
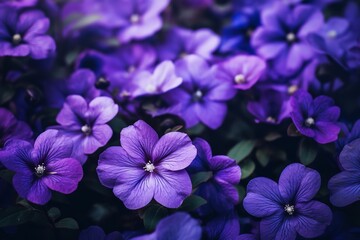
<point x="222" y="227"/>
<point x="181" y="42"/>
<point x="349" y="135"/>
<point x="178" y="226"/>
<point x="243" y="71"/>
<point x="282" y="38"/>
<point x="10" y="129"/>
<point x="146" y="167"/>
<point x="19" y="3"/>
<point x="85" y="123"/>
<point x="43" y="167"/>
<point x="162" y="80"/>
<point x="201" y="97"/>
<point x="345" y="186"/>
<point x="132" y="19"/>
<point x="315" y="118"/>
<point x="287" y="208"/>
<point x="96" y="233"/>
<point x="24" y="34"/>
<point x="219" y="191"/>
<point x="272" y="107"/>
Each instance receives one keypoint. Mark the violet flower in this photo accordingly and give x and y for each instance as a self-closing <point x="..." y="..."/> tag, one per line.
<point x="282" y="38"/>
<point x="46" y="166"/>
<point x="85" y="123"/>
<point x="24" y="34"/>
<point x="19" y="3"/>
<point x="201" y="97"/>
<point x="287" y="208"/>
<point x="219" y="191"/>
<point x="222" y="227"/>
<point x="97" y="233"/>
<point x="181" y="42"/>
<point x="146" y="167"/>
<point x="243" y="71"/>
<point x="10" y="129"/>
<point x="345" y="186"/>
<point x="315" y="118"/>
<point x="178" y="226"/>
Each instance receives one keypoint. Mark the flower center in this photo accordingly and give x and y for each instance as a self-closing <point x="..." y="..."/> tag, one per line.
<point x="290" y="209"/>
<point x="270" y="119"/>
<point x="240" y="78"/>
<point x="131" y="69"/>
<point x="149" y="167"/>
<point x="290" y="37"/>
<point x="102" y="83"/>
<point x="198" y="95"/>
<point x="331" y="34"/>
<point x="16" y="39"/>
<point x="150" y="88"/>
<point x="135" y="18"/>
<point x="309" y="122"/>
<point x="292" y="89"/>
<point x="40" y="170"/>
<point x="86" y="129"/>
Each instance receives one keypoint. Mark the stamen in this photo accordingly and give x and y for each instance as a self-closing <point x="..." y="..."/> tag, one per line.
<point x="309" y="122"/>
<point x="331" y="34"/>
<point x="240" y="78"/>
<point x="291" y="37"/>
<point x="135" y="18"/>
<point x="290" y="209"/>
<point x="16" y="39"/>
<point x="149" y="167"/>
<point x="40" y="170"/>
<point x="270" y="119"/>
<point x="86" y="129"/>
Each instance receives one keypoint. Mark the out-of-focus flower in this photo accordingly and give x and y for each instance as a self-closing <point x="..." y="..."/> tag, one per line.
<point x="23" y="34"/>
<point x="11" y="128"/>
<point x="181" y="42"/>
<point x="282" y="37"/>
<point x="97" y="233"/>
<point x="201" y="97"/>
<point x="222" y="227"/>
<point x="345" y="186"/>
<point x="219" y="191"/>
<point x="46" y="166"/>
<point x="19" y="3"/>
<point x="243" y="71"/>
<point x="85" y="123"/>
<point x="315" y="118"/>
<point x="287" y="208"/>
<point x="272" y="107"/>
<point x="349" y="135"/>
<point x="146" y="167"/>
<point x="178" y="226"/>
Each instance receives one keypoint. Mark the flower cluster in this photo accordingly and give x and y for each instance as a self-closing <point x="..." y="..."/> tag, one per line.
<point x="179" y="119"/>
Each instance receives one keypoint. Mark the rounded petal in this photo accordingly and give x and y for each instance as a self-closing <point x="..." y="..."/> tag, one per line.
<point x="263" y="198"/>
<point x="212" y="114"/>
<point x="226" y="169"/>
<point x="345" y="188"/>
<point x="350" y="156"/>
<point x="277" y="227"/>
<point x="42" y="47"/>
<point x="18" y="156"/>
<point x="100" y="135"/>
<point x="31" y="188"/>
<point x="63" y="175"/>
<point x="298" y="183"/>
<point x="174" y="151"/>
<point x="103" y="109"/>
<point x="172" y="187"/>
<point x="138" y="140"/>
<point x="74" y="109"/>
<point x="312" y="218"/>
<point x="326" y="132"/>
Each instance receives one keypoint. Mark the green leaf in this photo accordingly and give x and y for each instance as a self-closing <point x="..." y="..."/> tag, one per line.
<point x="15" y="215"/>
<point x="153" y="215"/>
<point x="68" y="223"/>
<point x="192" y="202"/>
<point x="117" y="124"/>
<point x="247" y="168"/>
<point x="241" y="150"/>
<point x="200" y="177"/>
<point x="292" y="131"/>
<point x="6" y="94"/>
<point x="54" y="213"/>
<point x="262" y="156"/>
<point x="307" y="151"/>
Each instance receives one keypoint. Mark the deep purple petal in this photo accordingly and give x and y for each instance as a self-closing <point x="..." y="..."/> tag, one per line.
<point x="18" y="156"/>
<point x="350" y="156"/>
<point x="345" y="188"/>
<point x="100" y="135"/>
<point x="211" y="113"/>
<point x="326" y="132"/>
<point x="226" y="169"/>
<point x="138" y="140"/>
<point x="174" y="151"/>
<point x="63" y="175"/>
<point x="41" y="47"/>
<point x="277" y="227"/>
<point x="92" y="233"/>
<point x="171" y="187"/>
<point x="73" y="110"/>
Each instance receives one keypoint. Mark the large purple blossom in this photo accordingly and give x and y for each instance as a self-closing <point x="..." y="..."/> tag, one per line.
<point x="10" y="129"/>
<point x="46" y="166"/>
<point x="85" y="123"/>
<point x="315" y="118"/>
<point x="287" y="208"/>
<point x="146" y="167"/>
<point x="345" y="186"/>
<point x="219" y="191"/>
<point x="201" y="97"/>
<point x="282" y="38"/>
<point x="178" y="226"/>
<point x="24" y="34"/>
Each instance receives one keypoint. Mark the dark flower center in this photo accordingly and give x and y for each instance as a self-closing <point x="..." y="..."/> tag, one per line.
<point x="40" y="170"/>
<point x="289" y="209"/>
<point x="197" y="95"/>
<point x="16" y="39"/>
<point x="102" y="83"/>
<point x="86" y="129"/>
<point x="309" y="122"/>
<point x="149" y="167"/>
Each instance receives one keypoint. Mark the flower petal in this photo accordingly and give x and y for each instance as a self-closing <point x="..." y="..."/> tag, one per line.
<point x="174" y="151"/>
<point x="345" y="188"/>
<point x="103" y="109"/>
<point x="350" y="156"/>
<point x="276" y="227"/>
